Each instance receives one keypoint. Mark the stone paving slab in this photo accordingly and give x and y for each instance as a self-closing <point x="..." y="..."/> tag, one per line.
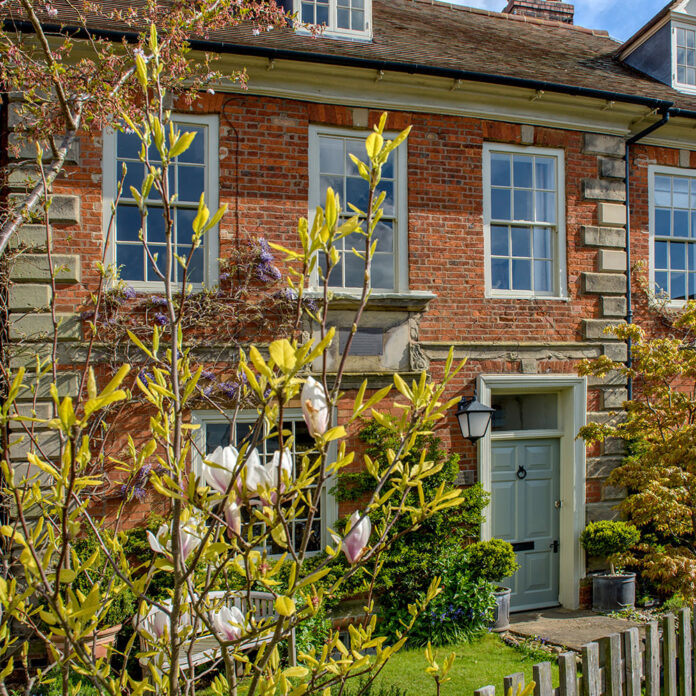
<point x="566" y="627"/>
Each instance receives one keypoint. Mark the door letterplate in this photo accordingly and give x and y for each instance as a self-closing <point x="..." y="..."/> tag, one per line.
<point x="523" y="546"/>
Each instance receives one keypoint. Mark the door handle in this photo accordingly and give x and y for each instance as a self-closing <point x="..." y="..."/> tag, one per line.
<point x="521" y="473"/>
<point x="554" y="545"/>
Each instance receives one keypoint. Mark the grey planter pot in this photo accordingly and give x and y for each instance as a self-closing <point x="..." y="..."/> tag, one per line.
<point x="501" y="621"/>
<point x="613" y="592"/>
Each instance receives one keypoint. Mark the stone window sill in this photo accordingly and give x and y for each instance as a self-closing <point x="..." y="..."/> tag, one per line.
<point x="410" y="301"/>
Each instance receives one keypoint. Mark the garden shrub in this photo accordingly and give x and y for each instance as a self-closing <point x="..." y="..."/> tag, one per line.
<point x="610" y="539"/>
<point x="492" y="560"/>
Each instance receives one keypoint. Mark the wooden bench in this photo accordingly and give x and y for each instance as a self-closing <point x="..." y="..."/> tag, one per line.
<point x="206" y="647"/>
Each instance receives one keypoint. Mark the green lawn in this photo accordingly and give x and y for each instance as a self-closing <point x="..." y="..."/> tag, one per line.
<point x="479" y="663"/>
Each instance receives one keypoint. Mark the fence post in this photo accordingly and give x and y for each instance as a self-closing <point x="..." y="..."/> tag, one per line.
<point x="632" y="662"/>
<point x="669" y="655"/>
<point x="513" y="681"/>
<point x="612" y="665"/>
<point x="592" y="685"/>
<point x="567" y="674"/>
<point x="685" y="644"/>
<point x="542" y="679"/>
<point x="485" y="691"/>
<point x="652" y="659"/>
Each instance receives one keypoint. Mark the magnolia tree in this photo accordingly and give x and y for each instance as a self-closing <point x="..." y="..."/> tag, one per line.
<point x="659" y="427"/>
<point x="223" y="520"/>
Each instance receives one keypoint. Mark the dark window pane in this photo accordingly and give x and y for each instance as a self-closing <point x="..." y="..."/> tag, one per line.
<point x="523" y="205"/>
<point x="195" y="269"/>
<point x="661" y="251"/>
<point x="692" y="285"/>
<point x="127" y="223"/>
<point x="521" y="241"/>
<point x="500" y="170"/>
<point x="545" y="173"/>
<point x="500" y="204"/>
<point x="322" y="14"/>
<point x="155" y="226"/>
<point x="677" y="255"/>
<point x="343" y="18"/>
<point x="128" y="145"/>
<point x="357" y="193"/>
<point x="499" y="241"/>
<point x="134" y="178"/>
<point x="383" y="271"/>
<point x="159" y="253"/>
<point x="358" y="20"/>
<point x="521" y="274"/>
<point x="661" y="282"/>
<point x="522" y="171"/>
<point x="542" y="276"/>
<point x="681" y="74"/>
<point x="500" y="274"/>
<point x="355" y="270"/>
<point x="542" y="243"/>
<point x="678" y="286"/>
<point x="662" y="222"/>
<point x="545" y="207"/>
<point x="196" y="152"/>
<point x="331" y="156"/>
<point x="388" y="188"/>
<point x="191" y="183"/>
<point x="129" y="257"/>
<point x="308" y="12"/>
<point x="681" y="223"/>
<point x="384" y="233"/>
<point x="216" y="435"/>
<point x="184" y="225"/>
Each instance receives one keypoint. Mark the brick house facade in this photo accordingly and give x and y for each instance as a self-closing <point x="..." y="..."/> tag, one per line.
<point x="523" y="91"/>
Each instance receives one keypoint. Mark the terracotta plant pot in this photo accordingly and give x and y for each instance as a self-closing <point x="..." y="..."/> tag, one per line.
<point x="100" y="645"/>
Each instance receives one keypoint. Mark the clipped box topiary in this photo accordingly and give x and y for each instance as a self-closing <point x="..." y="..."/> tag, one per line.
<point x="494" y="560"/>
<point x="611" y="540"/>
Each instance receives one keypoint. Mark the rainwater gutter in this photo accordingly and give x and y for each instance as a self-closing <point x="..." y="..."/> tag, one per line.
<point x="666" y="113"/>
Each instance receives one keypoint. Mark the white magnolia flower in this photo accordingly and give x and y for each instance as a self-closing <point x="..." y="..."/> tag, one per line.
<point x="156" y="623"/>
<point x="259" y="476"/>
<point x="315" y="408"/>
<point x="228" y="623"/>
<point x="219" y="477"/>
<point x="189" y="538"/>
<point x="233" y="517"/>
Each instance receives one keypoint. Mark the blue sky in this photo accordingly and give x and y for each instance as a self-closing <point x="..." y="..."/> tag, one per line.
<point x="621" y="18"/>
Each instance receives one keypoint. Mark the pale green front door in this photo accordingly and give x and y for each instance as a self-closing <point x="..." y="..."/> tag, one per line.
<point x="524" y="508"/>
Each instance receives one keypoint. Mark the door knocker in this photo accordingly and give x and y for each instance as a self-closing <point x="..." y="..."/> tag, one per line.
<point x="521" y="473"/>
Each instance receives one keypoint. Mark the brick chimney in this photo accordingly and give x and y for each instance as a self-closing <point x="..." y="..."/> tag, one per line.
<point x="544" y="9"/>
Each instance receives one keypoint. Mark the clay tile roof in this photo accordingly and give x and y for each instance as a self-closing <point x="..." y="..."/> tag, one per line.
<point x="442" y="35"/>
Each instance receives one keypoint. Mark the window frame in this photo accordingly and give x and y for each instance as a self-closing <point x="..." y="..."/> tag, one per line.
<point x="110" y="178"/>
<point x="203" y="417"/>
<point x="400" y="207"/>
<point x="560" y="289"/>
<point x="688" y="26"/>
<point x="653" y="171"/>
<point x="331" y="30"/>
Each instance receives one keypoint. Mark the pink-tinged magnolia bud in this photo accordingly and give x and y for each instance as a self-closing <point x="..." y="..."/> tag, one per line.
<point x="156" y="623"/>
<point x="228" y="623"/>
<point x="189" y="539"/>
<point x="355" y="541"/>
<point x="233" y="517"/>
<point x="315" y="408"/>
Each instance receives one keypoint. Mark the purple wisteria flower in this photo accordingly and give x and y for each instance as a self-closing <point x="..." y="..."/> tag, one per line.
<point x="207" y="374"/>
<point x="265" y="270"/>
<point x="161" y="319"/>
<point x="158" y="301"/>
<point x="129" y="293"/>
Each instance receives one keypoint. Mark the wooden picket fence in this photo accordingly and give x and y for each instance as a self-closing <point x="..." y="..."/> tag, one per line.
<point x="661" y="663"/>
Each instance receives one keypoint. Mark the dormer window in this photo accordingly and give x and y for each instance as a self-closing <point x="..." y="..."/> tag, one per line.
<point x="686" y="56"/>
<point x="341" y="18"/>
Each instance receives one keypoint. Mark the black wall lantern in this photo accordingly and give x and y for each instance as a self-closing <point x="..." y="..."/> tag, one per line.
<point x="474" y="418"/>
